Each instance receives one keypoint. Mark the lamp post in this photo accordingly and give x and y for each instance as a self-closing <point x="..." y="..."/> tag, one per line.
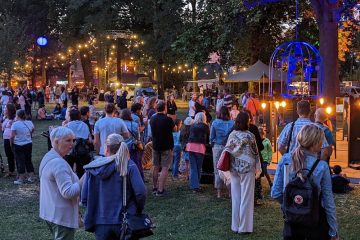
<point x="42" y="42"/>
<point x="277" y="105"/>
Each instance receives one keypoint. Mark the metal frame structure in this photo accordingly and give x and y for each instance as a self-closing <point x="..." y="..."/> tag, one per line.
<point x="303" y="64"/>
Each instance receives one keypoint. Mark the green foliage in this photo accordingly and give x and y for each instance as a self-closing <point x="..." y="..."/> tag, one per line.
<point x="13" y="43"/>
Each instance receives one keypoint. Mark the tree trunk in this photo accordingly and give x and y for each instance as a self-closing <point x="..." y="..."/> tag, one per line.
<point x="118" y="59"/>
<point x="194" y="70"/>
<point x="160" y="79"/>
<point x="329" y="53"/>
<point x="328" y="27"/>
<point x="9" y="75"/>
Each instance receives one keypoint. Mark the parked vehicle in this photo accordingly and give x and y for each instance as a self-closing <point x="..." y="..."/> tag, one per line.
<point x="352" y="91"/>
<point x="139" y="92"/>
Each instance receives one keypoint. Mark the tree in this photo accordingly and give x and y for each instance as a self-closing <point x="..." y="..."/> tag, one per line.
<point x="13" y="44"/>
<point x="325" y="11"/>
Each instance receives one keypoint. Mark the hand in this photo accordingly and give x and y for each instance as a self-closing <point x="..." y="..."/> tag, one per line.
<point x="257" y="174"/>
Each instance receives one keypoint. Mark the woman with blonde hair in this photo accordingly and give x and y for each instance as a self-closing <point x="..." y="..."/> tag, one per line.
<point x="199" y="136"/>
<point x="303" y="158"/>
<point x="102" y="192"/>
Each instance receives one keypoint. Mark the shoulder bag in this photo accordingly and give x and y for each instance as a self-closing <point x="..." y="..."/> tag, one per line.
<point x="28" y="129"/>
<point x="290" y="136"/>
<point x="134" y="226"/>
<point x="138" y="145"/>
<point x="224" y="161"/>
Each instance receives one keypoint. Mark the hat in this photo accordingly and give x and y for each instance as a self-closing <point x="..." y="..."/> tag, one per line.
<point x="188" y="121"/>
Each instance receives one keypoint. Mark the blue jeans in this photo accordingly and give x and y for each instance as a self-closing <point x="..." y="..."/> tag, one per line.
<point x="176" y="160"/>
<point x="107" y="231"/>
<point x="196" y="161"/>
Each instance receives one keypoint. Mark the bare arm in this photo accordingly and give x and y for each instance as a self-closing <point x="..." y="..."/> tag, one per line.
<point x="126" y="135"/>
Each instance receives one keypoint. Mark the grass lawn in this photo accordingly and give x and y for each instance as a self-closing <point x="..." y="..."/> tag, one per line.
<point x="179" y="215"/>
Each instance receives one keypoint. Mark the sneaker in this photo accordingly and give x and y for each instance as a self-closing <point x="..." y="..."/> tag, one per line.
<point x="18" y="182"/>
<point x="154" y="191"/>
<point x="160" y="194"/>
<point x="30" y="180"/>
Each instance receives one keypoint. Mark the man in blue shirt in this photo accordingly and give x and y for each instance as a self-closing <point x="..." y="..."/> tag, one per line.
<point x="303" y="110"/>
<point x="320" y="118"/>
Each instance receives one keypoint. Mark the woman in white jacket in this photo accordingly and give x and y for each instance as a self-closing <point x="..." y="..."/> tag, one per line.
<point x="59" y="187"/>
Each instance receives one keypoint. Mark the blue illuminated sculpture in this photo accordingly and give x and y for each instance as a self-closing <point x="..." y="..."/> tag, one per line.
<point x="302" y="68"/>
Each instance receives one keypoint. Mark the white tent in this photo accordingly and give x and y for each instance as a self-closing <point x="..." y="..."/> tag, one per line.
<point x="258" y="72"/>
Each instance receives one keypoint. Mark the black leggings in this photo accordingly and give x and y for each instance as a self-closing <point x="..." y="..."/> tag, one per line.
<point x="22" y="155"/>
<point x="9" y="154"/>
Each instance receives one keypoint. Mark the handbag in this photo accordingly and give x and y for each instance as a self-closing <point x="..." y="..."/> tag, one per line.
<point x="138" y="145"/>
<point x="134" y="226"/>
<point x="224" y="161"/>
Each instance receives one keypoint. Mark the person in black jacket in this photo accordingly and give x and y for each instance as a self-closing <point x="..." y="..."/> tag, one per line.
<point x="199" y="137"/>
<point x="199" y="107"/>
<point x="75" y="96"/>
<point x="122" y="103"/>
<point x="163" y="143"/>
<point x="171" y="107"/>
<point x="255" y="130"/>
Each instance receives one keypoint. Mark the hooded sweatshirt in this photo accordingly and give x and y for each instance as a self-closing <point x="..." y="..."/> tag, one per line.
<point x="102" y="192"/>
<point x="80" y="129"/>
<point x="59" y="191"/>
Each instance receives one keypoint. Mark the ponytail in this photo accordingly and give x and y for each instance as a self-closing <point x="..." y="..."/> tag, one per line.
<point x="298" y="160"/>
<point x="122" y="157"/>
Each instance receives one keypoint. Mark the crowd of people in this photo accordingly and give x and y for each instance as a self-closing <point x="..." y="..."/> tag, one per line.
<point x="127" y="140"/>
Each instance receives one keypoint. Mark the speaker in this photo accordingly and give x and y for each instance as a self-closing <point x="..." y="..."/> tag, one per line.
<point x="207" y="173"/>
<point x="354" y="131"/>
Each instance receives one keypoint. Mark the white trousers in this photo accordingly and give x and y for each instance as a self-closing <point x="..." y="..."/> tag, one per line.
<point x="242" y="201"/>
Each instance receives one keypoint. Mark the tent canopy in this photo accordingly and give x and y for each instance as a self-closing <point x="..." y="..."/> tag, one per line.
<point x="255" y="73"/>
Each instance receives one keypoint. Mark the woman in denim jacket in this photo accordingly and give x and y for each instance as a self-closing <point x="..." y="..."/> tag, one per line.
<point x="310" y="140"/>
<point x="219" y="133"/>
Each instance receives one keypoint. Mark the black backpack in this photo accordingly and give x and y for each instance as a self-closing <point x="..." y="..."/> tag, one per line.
<point x="301" y="205"/>
<point x="81" y="151"/>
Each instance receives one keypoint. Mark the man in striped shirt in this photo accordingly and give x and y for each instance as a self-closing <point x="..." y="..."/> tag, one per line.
<point x="228" y="99"/>
<point x="303" y="110"/>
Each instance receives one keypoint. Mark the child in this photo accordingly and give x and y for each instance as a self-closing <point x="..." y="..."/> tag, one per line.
<point x="266" y="154"/>
<point x="184" y="138"/>
<point x="41" y="114"/>
<point x="57" y="111"/>
<point x="177" y="148"/>
<point x="340" y="184"/>
<point x="234" y="111"/>
<point x="63" y="112"/>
